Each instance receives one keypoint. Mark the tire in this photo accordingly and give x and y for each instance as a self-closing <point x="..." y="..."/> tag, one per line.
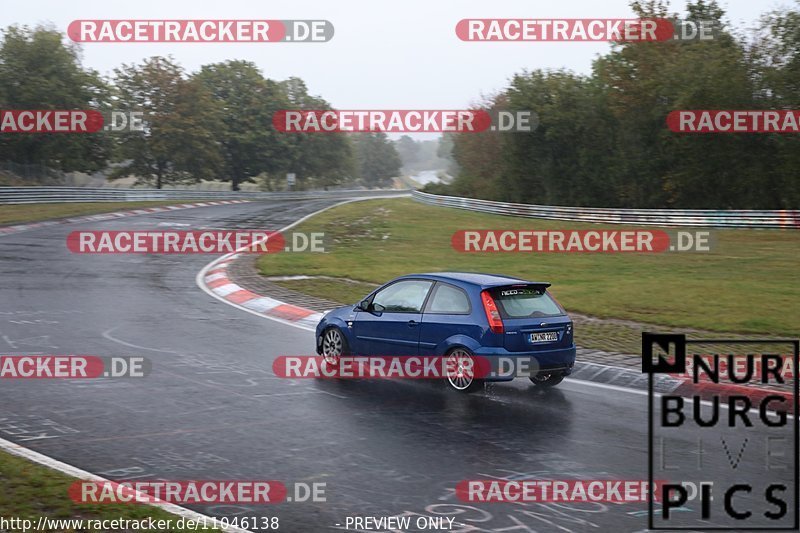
<point x="463" y="382"/>
<point x="547" y="380"/>
<point x="334" y="346"/>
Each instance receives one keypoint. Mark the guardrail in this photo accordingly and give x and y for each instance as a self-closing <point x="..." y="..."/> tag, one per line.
<point x="786" y="219"/>
<point x="50" y="195"/>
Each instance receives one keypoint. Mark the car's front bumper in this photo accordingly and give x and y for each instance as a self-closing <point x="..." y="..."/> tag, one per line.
<point x="318" y="334"/>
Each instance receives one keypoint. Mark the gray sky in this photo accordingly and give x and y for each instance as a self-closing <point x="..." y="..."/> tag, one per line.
<point x="385" y="55"/>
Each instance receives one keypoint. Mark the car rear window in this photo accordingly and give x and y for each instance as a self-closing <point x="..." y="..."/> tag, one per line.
<point x="449" y="300"/>
<point x="522" y="302"/>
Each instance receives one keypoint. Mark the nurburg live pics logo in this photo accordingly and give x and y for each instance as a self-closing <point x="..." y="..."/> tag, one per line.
<point x="725" y="441"/>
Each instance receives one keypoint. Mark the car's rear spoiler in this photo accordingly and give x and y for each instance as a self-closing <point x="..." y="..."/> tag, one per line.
<point x="541" y="284"/>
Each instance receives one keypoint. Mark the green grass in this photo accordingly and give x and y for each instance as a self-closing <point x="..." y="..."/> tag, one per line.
<point x="29" y="490"/>
<point x="17" y="214"/>
<point x="748" y="284"/>
<point x="337" y="290"/>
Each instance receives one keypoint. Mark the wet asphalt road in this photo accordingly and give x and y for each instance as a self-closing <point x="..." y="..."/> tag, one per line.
<point x="212" y="408"/>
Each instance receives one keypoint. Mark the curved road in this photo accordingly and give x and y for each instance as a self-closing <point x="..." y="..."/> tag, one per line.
<point x="212" y="409"/>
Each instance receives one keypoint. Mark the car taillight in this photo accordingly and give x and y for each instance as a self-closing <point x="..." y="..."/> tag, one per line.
<point x="495" y="322"/>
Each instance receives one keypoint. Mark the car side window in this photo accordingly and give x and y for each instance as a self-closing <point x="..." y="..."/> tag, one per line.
<point x="449" y="300"/>
<point x="406" y="296"/>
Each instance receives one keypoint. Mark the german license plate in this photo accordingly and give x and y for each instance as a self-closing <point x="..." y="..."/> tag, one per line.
<point x="547" y="336"/>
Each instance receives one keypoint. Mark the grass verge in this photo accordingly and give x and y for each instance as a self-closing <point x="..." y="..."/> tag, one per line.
<point x="29" y="490"/>
<point x="18" y="214"/>
<point x="747" y="284"/>
<point x="337" y="290"/>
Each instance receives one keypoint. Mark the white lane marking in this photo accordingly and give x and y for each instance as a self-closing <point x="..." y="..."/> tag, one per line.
<point x="107" y="335"/>
<point x="576" y="381"/>
<point x="199" y="279"/>
<point x="73" y="471"/>
<point x="173" y="224"/>
<point x="18" y="228"/>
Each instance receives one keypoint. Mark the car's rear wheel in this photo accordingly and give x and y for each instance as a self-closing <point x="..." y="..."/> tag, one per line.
<point x="334" y="346"/>
<point x="461" y="371"/>
<point x="548" y="380"/>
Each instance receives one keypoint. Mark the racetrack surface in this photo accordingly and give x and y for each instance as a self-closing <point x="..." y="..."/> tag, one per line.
<point x="212" y="408"/>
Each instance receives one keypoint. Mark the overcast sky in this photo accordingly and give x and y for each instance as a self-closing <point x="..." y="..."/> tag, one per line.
<point x="384" y="55"/>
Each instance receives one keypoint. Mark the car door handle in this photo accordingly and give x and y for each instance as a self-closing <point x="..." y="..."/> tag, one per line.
<point x="412" y="323"/>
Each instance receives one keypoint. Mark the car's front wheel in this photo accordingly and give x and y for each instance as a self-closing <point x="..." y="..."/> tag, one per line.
<point x="334" y="346"/>
<point x="547" y="380"/>
<point x="461" y="368"/>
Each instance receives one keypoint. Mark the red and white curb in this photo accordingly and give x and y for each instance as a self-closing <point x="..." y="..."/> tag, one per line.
<point x="214" y="280"/>
<point x="7" y="230"/>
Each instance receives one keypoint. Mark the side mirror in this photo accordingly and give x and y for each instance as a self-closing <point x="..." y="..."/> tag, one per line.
<point x="378" y="308"/>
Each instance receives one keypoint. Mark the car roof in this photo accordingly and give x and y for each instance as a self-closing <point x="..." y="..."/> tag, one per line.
<point x="483" y="280"/>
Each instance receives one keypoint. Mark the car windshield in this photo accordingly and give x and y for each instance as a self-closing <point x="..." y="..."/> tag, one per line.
<point x="526" y="302"/>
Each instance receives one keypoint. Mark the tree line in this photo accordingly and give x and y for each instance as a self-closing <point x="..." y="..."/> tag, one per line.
<point x="212" y="124"/>
<point x="602" y="138"/>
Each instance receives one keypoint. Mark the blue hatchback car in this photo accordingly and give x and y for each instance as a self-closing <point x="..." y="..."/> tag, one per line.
<point x="457" y="314"/>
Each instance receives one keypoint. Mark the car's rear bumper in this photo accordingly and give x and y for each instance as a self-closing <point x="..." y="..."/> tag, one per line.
<point x="507" y="365"/>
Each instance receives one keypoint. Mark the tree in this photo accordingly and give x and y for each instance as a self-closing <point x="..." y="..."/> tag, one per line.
<point x="250" y="145"/>
<point x="444" y="151"/>
<point x="318" y="159"/>
<point x="409" y="152"/>
<point x="176" y="144"/>
<point x="37" y="71"/>
<point x="774" y="58"/>
<point x="602" y="139"/>
<point x="479" y="156"/>
<point x="196" y="119"/>
<point x="376" y="157"/>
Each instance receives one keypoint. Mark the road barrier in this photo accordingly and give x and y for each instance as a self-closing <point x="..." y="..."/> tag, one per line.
<point x="785" y="219"/>
<point x="50" y="195"/>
